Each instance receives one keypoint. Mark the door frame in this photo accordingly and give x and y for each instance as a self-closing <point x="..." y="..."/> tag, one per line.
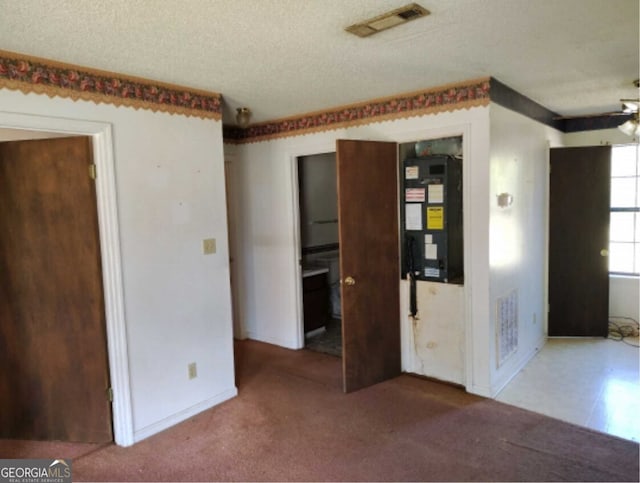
<point x="109" y="238"/>
<point x="294" y="202"/>
<point x="399" y="137"/>
<point x="230" y="163"/>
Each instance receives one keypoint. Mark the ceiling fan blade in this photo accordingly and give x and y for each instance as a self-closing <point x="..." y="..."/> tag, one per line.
<point x="588" y="116"/>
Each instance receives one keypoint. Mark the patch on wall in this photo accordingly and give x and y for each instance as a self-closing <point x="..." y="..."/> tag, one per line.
<point x="506" y="326"/>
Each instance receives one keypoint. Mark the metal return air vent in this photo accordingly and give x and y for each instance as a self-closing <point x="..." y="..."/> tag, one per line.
<point x="388" y="20"/>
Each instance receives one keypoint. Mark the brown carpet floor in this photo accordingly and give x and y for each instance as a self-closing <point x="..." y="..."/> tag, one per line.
<point x="291" y="422"/>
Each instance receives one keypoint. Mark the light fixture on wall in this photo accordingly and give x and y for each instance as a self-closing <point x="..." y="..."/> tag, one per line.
<point x="243" y="116"/>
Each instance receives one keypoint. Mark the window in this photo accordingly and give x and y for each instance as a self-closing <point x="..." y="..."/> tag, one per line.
<point x="624" y="232"/>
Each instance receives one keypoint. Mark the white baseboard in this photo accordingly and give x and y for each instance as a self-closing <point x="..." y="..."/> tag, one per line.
<point x="287" y="344"/>
<point x="496" y="388"/>
<point x="484" y="391"/>
<point x="176" y="418"/>
<point x="314" y="332"/>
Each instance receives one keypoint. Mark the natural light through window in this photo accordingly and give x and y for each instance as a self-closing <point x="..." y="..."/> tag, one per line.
<point x="624" y="234"/>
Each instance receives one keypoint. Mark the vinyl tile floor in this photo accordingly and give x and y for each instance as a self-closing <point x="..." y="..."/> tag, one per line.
<point x="329" y="341"/>
<point x="593" y="383"/>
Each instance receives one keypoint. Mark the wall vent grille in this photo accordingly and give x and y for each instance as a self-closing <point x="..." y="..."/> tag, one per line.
<point x="507" y="326"/>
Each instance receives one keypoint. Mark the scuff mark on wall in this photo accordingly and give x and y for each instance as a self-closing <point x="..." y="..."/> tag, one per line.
<point x="415" y="325"/>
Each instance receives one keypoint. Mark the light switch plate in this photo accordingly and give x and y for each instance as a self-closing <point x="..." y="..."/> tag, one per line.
<point x="209" y="246"/>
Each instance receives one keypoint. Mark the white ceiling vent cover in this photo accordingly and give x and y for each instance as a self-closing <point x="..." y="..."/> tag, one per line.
<point x="387" y="20"/>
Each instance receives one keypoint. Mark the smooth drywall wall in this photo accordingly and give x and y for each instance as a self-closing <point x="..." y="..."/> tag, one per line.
<point x="170" y="196"/>
<point x="268" y="240"/>
<point x="624" y="292"/>
<point x="519" y="167"/>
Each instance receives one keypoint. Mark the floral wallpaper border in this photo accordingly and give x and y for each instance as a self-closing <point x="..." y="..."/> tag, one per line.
<point x="42" y="76"/>
<point x="445" y="98"/>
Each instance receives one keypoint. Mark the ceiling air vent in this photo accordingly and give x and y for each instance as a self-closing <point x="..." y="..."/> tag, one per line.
<point x="387" y="20"/>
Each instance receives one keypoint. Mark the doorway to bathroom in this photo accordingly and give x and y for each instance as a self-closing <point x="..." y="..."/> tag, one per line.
<point x="319" y="250"/>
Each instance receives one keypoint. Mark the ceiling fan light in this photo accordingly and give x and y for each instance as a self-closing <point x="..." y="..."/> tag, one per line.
<point x="630" y="127"/>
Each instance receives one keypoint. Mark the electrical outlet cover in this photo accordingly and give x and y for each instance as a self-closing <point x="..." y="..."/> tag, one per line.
<point x="193" y="370"/>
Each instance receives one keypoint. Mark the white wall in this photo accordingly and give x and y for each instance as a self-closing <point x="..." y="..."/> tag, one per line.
<point x="268" y="232"/>
<point x="170" y="193"/>
<point x="436" y="338"/>
<point x="624" y="292"/>
<point x="518" y="166"/>
<point x="624" y="296"/>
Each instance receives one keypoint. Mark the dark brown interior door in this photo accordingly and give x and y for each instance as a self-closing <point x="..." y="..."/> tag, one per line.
<point x="53" y="359"/>
<point x="579" y="207"/>
<point x="369" y="261"/>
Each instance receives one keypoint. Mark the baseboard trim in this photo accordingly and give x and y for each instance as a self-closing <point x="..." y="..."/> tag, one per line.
<point x="273" y="340"/>
<point x="183" y="415"/>
<point x="478" y="390"/>
<point x="495" y="389"/>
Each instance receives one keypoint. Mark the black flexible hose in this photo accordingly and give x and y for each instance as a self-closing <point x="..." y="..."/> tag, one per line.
<point x="413" y="302"/>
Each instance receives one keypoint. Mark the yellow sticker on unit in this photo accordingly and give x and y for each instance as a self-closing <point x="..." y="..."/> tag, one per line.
<point x="435" y="218"/>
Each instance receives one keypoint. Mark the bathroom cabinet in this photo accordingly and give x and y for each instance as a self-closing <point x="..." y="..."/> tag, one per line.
<point x="315" y="293"/>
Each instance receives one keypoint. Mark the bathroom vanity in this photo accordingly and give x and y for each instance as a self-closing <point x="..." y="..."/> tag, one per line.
<point x="315" y="293"/>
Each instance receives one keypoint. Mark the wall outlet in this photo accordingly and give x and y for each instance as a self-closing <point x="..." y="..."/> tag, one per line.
<point x="209" y="246"/>
<point x="193" y="370"/>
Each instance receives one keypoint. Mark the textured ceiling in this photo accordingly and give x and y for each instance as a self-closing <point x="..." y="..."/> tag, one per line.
<point x="287" y="57"/>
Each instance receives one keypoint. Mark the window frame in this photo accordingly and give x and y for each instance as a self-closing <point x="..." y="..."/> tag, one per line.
<point x="628" y="209"/>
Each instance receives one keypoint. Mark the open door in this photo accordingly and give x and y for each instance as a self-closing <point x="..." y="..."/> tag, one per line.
<point x="369" y="261"/>
<point x="579" y="210"/>
<point x="53" y="346"/>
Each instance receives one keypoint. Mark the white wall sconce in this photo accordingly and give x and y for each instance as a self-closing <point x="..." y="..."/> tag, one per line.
<point x="504" y="200"/>
<point x="243" y="116"/>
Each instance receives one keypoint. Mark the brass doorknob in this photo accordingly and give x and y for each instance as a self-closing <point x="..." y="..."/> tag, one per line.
<point x="349" y="281"/>
<point x="604" y="252"/>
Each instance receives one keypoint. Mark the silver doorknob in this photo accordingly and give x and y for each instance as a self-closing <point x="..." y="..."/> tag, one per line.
<point x="349" y="281"/>
<point x="604" y="252"/>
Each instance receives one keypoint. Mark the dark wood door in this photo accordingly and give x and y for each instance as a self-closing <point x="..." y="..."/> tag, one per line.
<point x="369" y="256"/>
<point x="579" y="240"/>
<point x="53" y="359"/>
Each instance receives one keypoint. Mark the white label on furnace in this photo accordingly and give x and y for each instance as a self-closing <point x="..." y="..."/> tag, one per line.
<point x="414" y="195"/>
<point x="431" y="272"/>
<point x="413" y="216"/>
<point x="431" y="251"/>
<point x="436" y="193"/>
<point x="428" y="239"/>
<point x="411" y="172"/>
